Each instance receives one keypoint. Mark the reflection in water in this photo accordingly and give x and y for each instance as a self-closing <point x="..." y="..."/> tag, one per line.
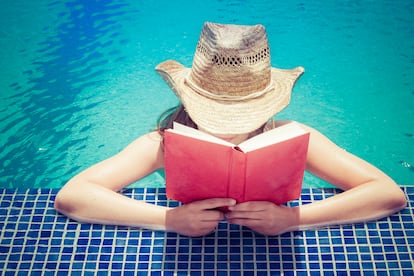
<point x="74" y="57"/>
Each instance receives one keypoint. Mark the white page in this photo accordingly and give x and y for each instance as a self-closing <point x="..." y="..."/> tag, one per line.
<point x="191" y="132"/>
<point x="264" y="139"/>
<point x="273" y="136"/>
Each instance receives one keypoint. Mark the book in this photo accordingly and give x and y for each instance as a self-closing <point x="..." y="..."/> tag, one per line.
<point x="267" y="167"/>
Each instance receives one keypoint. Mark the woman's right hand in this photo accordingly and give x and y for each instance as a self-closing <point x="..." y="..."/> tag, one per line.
<point x="197" y="218"/>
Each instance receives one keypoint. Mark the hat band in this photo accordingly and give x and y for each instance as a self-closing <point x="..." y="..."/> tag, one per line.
<point x="223" y="97"/>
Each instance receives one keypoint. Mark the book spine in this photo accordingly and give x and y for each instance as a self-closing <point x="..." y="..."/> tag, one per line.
<point x="237" y="175"/>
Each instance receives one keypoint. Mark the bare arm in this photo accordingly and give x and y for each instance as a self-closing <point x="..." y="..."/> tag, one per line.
<point x="368" y="194"/>
<point x="92" y="196"/>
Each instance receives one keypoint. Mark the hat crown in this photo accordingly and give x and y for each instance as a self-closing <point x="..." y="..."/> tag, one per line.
<point x="231" y="88"/>
<point x="231" y="60"/>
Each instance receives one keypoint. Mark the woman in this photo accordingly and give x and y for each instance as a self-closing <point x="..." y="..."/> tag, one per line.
<point x="231" y="91"/>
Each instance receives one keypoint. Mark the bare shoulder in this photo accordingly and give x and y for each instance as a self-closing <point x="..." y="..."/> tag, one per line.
<point x="317" y="139"/>
<point x="140" y="158"/>
<point x="316" y="133"/>
<point x="147" y="147"/>
<point x="153" y="139"/>
<point x="338" y="166"/>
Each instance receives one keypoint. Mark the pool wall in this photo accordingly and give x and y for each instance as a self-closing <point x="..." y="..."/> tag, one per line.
<point x="35" y="239"/>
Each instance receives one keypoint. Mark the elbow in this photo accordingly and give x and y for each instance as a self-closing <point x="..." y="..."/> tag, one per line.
<point x="60" y="203"/>
<point x="396" y="199"/>
<point x="64" y="202"/>
<point x="399" y="200"/>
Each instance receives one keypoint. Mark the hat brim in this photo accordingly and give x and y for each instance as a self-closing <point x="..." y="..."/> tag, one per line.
<point x="224" y="117"/>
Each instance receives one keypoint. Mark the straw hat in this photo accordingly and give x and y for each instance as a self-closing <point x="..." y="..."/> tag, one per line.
<point x="231" y="87"/>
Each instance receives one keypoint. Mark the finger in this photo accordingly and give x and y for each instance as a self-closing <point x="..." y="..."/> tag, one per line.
<point x="251" y="223"/>
<point x="208" y="226"/>
<point x="212" y="215"/>
<point x="250" y="206"/>
<point x="243" y="215"/>
<point x="213" y="203"/>
<point x="200" y="231"/>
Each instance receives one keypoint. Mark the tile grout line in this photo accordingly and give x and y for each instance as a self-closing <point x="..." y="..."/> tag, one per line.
<point x="39" y="220"/>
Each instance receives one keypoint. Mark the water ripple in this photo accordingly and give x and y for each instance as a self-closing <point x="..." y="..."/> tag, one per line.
<point x="38" y="130"/>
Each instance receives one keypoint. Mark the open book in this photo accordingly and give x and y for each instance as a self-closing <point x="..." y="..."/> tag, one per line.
<point x="266" y="167"/>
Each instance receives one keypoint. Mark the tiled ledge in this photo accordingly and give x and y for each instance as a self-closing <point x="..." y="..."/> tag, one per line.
<point x="35" y="239"/>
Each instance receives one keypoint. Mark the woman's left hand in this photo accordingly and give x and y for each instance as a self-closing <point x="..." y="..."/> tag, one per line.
<point x="264" y="217"/>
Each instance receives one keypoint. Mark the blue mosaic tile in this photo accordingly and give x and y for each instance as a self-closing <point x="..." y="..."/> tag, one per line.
<point x="37" y="240"/>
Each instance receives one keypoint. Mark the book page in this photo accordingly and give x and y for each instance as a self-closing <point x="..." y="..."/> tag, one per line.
<point x="273" y="136"/>
<point x="195" y="133"/>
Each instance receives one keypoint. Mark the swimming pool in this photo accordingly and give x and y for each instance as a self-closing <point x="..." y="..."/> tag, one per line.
<point x="78" y="82"/>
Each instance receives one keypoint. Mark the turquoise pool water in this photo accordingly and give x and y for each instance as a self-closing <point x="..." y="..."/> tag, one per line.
<point x="77" y="80"/>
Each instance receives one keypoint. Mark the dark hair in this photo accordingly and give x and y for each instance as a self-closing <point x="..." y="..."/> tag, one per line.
<point x="175" y="114"/>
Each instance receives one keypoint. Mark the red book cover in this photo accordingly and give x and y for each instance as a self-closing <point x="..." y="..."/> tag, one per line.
<point x="267" y="167"/>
